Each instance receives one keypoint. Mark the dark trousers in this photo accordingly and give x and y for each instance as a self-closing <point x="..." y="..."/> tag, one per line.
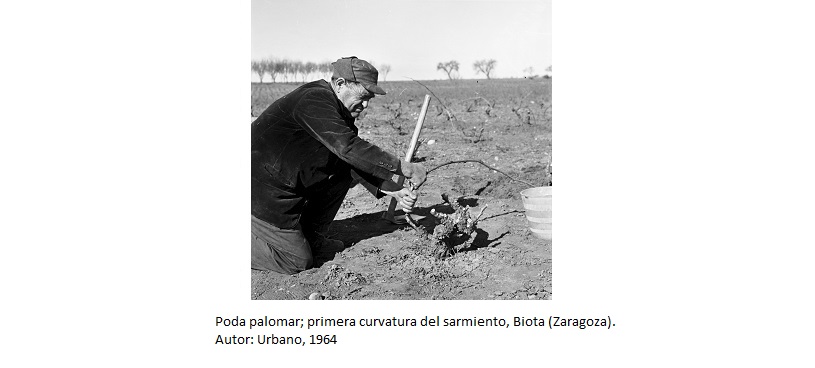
<point x="289" y="251"/>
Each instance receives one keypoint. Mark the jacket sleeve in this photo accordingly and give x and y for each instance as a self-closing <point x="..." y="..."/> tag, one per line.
<point x="373" y="184"/>
<point x="317" y="113"/>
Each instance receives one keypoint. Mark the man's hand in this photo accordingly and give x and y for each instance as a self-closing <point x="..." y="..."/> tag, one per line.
<point x="405" y="197"/>
<point x="415" y="172"/>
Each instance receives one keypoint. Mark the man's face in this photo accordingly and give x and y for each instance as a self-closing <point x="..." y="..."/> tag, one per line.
<point x="355" y="100"/>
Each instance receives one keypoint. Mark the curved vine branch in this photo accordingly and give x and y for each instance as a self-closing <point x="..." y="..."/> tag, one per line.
<point x="452" y="117"/>
<point x="482" y="163"/>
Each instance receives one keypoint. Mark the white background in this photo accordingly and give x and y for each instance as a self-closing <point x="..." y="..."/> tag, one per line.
<point x="684" y="202"/>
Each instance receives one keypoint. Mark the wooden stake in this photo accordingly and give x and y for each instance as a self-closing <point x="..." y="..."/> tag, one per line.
<point x="409" y="155"/>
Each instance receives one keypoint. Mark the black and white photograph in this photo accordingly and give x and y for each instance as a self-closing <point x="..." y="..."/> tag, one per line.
<point x="402" y="153"/>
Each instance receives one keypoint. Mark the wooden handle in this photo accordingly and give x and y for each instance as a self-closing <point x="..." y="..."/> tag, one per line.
<point x="411" y="150"/>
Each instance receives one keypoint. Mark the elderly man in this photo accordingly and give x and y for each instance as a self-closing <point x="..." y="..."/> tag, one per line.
<point x="306" y="154"/>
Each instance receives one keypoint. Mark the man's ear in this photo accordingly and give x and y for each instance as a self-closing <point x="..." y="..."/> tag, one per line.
<point x="340" y="82"/>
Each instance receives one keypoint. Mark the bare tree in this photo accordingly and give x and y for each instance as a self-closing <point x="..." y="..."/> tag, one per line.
<point x="299" y="68"/>
<point x="484" y="67"/>
<point x="325" y="69"/>
<point x="310" y="68"/>
<point x="279" y="68"/>
<point x="271" y="68"/>
<point x="259" y="67"/>
<point x="283" y="67"/>
<point x="384" y="69"/>
<point x="449" y="67"/>
<point x="291" y="70"/>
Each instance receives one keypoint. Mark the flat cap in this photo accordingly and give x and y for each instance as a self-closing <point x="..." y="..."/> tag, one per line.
<point x="357" y="70"/>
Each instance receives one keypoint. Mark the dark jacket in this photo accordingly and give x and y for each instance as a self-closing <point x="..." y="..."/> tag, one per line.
<point x="302" y="141"/>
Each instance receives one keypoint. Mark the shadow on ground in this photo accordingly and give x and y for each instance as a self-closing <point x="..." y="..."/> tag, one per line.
<point x="355" y="229"/>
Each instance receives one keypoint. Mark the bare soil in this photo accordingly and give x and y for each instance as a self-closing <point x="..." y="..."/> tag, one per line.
<point x="505" y="123"/>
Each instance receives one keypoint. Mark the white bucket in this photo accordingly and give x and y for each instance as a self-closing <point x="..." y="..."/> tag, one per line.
<point x="538" y="206"/>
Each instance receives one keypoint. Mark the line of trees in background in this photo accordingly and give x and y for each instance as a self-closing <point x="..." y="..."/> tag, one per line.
<point x="285" y="70"/>
<point x="485" y="66"/>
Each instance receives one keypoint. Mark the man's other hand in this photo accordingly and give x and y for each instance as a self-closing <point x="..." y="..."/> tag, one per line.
<point x="406" y="198"/>
<point x="415" y="172"/>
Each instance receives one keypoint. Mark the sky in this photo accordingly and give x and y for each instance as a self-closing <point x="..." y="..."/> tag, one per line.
<point x="412" y="36"/>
